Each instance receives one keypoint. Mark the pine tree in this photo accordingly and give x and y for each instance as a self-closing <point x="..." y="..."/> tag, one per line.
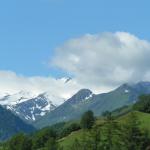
<point x="132" y="134"/>
<point x="111" y="133"/>
<point x="20" y="142"/>
<point x="42" y="137"/>
<point x="95" y="136"/>
<point x="51" y="144"/>
<point x="87" y="120"/>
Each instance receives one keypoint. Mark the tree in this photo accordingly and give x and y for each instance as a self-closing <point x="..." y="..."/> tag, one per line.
<point x="85" y="141"/>
<point x="69" y="128"/>
<point x="106" y="113"/>
<point x="146" y="141"/>
<point x="20" y="142"/>
<point x="51" y="144"/>
<point x="42" y="137"/>
<point x="95" y="136"/>
<point x="143" y="104"/>
<point x="76" y="145"/>
<point x="88" y="140"/>
<point x="111" y="134"/>
<point x="87" y="120"/>
<point x="132" y="137"/>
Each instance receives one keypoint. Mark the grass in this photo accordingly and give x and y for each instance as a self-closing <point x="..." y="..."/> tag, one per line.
<point x="144" y="120"/>
<point x="66" y="142"/>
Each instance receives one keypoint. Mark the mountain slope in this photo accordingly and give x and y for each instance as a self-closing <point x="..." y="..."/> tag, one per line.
<point x="30" y="107"/>
<point x="85" y="100"/>
<point x="11" y="124"/>
<point x="68" y="110"/>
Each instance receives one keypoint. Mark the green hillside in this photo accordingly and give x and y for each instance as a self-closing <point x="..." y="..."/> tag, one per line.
<point x="126" y="128"/>
<point x="69" y="136"/>
<point x="143" y="118"/>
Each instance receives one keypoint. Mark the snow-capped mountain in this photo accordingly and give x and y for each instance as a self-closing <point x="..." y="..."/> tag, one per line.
<point x="84" y="100"/>
<point x="13" y="99"/>
<point x="30" y="107"/>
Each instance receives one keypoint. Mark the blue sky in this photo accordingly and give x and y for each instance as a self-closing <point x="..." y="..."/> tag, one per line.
<point x="30" y="30"/>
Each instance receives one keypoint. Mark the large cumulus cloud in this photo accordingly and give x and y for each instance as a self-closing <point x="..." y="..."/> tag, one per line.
<point x="104" y="61"/>
<point x="99" y="62"/>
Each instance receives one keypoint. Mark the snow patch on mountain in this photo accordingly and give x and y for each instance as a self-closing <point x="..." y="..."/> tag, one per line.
<point x="7" y="99"/>
<point x="90" y="96"/>
<point x="28" y="106"/>
<point x="126" y="91"/>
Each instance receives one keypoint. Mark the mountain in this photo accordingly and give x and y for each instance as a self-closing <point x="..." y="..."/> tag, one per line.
<point x="11" y="124"/>
<point x="81" y="96"/>
<point x="31" y="107"/>
<point x="68" y="110"/>
<point x="28" y="106"/>
<point x="85" y="100"/>
<point x="13" y="99"/>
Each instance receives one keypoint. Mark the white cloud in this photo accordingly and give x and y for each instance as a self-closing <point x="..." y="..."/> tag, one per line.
<point x="12" y="83"/>
<point x="104" y="61"/>
<point x="99" y="62"/>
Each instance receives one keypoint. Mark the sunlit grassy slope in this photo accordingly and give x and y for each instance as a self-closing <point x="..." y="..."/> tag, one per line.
<point x="144" y="120"/>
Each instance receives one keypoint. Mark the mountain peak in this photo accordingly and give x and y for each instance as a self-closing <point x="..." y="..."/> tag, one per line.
<point x="85" y="92"/>
<point x="68" y="79"/>
<point x="125" y="86"/>
<point x="13" y="99"/>
<point x="81" y="95"/>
